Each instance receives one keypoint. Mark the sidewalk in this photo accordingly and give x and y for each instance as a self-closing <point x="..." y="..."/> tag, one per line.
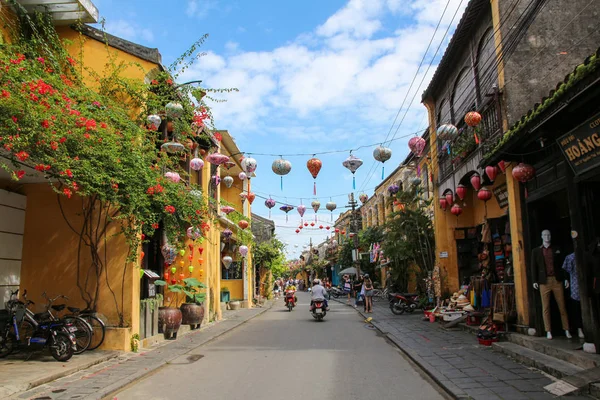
<point x="456" y="361"/>
<point x="99" y="381"/>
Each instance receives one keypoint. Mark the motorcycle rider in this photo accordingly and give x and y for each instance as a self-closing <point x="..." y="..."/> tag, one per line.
<point x="319" y="292"/>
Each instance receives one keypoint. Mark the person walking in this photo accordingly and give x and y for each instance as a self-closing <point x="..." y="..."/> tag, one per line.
<point x="359" y="291"/>
<point x="368" y="286"/>
<point x="347" y="287"/>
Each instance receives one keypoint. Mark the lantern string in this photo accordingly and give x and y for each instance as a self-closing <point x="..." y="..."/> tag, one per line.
<point x="282" y="183"/>
<point x="382" y="171"/>
<point x="315" y="188"/>
<point x="353" y="182"/>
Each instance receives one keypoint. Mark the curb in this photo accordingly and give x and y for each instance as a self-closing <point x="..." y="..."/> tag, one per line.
<point x="117" y="386"/>
<point x="415" y="358"/>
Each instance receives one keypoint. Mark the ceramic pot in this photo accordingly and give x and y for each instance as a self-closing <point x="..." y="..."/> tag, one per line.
<point x="169" y="321"/>
<point x="234" y="305"/>
<point x="192" y="315"/>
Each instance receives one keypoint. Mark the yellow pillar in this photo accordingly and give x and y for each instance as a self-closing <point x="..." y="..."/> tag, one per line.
<point x="516" y="234"/>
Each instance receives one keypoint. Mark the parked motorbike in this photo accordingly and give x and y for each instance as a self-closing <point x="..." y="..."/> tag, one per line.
<point x="19" y="331"/>
<point x="401" y="302"/>
<point x="318" y="310"/>
<point x="290" y="299"/>
<point x="337" y="292"/>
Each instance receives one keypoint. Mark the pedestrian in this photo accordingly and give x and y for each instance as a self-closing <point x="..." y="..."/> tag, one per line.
<point x="276" y="289"/>
<point x="368" y="286"/>
<point x="389" y="282"/>
<point x="347" y="287"/>
<point x="358" y="291"/>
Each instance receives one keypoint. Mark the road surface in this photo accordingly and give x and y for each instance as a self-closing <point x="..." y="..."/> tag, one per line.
<point x="283" y="355"/>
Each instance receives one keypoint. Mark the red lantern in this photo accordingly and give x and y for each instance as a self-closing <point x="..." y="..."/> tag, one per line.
<point x="166" y="275"/>
<point x="491" y="172"/>
<point x="312" y="224"/>
<point x="297" y="230"/>
<point x="251" y="196"/>
<point x="343" y="232"/>
<point x="473" y="118"/>
<point x="443" y="203"/>
<point x="484" y="194"/>
<point x="328" y="227"/>
<point x="523" y="172"/>
<point x="243" y="224"/>
<point x="351" y="234"/>
<point x="461" y="191"/>
<point x="456" y="210"/>
<point x="320" y="226"/>
<point x="173" y="281"/>
<point x="502" y="165"/>
<point x="181" y="276"/>
<point x="449" y="197"/>
<point x="306" y="224"/>
<point x="337" y="230"/>
<point x="476" y="181"/>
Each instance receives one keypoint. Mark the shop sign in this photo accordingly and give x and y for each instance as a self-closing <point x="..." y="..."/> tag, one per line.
<point x="581" y="146"/>
<point x="443" y="254"/>
<point x="501" y="194"/>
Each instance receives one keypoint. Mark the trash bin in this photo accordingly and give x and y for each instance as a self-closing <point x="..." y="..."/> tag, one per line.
<point x="224" y="296"/>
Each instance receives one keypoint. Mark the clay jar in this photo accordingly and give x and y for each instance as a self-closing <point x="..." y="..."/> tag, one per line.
<point x="192" y="315"/>
<point x="169" y="321"/>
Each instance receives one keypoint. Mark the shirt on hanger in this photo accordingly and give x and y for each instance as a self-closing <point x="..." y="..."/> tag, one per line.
<point x="569" y="266"/>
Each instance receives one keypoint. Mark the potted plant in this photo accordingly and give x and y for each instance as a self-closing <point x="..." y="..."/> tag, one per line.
<point x="193" y="309"/>
<point x="169" y="318"/>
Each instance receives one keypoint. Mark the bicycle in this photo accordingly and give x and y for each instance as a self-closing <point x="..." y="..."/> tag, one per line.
<point x="83" y="333"/>
<point x="98" y="326"/>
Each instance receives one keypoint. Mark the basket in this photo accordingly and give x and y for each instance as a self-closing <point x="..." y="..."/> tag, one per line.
<point x="486" y="342"/>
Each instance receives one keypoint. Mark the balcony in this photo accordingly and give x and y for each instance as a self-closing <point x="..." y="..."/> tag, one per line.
<point x="464" y="149"/>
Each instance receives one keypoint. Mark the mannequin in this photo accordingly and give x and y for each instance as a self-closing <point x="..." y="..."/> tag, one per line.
<point x="547" y="275"/>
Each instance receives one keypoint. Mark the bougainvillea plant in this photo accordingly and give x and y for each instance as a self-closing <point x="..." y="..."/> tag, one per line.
<point x="85" y="141"/>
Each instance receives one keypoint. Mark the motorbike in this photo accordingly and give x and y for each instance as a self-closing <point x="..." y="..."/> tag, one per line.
<point x="336" y="292"/>
<point x="19" y="331"/>
<point x="401" y="302"/>
<point x="318" y="309"/>
<point x="290" y="299"/>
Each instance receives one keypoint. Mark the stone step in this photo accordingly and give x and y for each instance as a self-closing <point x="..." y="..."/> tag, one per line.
<point x="553" y="366"/>
<point x="560" y="348"/>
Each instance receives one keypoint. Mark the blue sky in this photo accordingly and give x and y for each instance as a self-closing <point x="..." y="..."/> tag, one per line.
<point x="313" y="76"/>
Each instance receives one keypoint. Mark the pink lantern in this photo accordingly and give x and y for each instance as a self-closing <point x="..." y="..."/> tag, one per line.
<point x="243" y="196"/>
<point x="217" y="158"/>
<point x="484" y="194"/>
<point x="301" y="210"/>
<point x="216" y="179"/>
<point x="491" y="172"/>
<point x="227" y="209"/>
<point x="196" y="164"/>
<point x="502" y="166"/>
<point x="270" y="203"/>
<point x="523" y="172"/>
<point x="449" y="197"/>
<point x="476" y="181"/>
<point x="443" y="203"/>
<point x="242" y="176"/>
<point x="461" y="191"/>
<point x="243" y="249"/>
<point x="173" y="176"/>
<point x="456" y="210"/>
<point x="417" y="145"/>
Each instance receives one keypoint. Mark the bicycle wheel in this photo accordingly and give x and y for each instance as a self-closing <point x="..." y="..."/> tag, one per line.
<point x="98" y="330"/>
<point x="83" y="333"/>
<point x="377" y="295"/>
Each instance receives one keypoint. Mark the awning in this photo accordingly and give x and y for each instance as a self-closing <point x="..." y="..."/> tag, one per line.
<point x="64" y="12"/>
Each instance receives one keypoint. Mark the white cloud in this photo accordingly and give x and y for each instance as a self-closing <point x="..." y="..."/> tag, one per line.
<point x="129" y="30"/>
<point x="231" y="47"/>
<point x="200" y="8"/>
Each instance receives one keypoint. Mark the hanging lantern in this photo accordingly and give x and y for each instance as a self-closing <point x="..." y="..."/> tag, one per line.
<point x="331" y="206"/>
<point x="393" y="189"/>
<point x="491" y="172"/>
<point x="249" y="165"/>
<point x="174" y="110"/>
<point x="476" y="181"/>
<point x="227" y="209"/>
<point x="456" y="210"/>
<point x="337" y="230"/>
<point x="286" y="209"/>
<point x="242" y="176"/>
<point x="217" y="158"/>
<point x="484" y="194"/>
<point x="417" y="145"/>
<point x="328" y="227"/>
<point x="169" y="253"/>
<point x="316" y="204"/>
<point x="343" y="232"/>
<point x="312" y="224"/>
<point x="351" y="234"/>
<point x="472" y="118"/>
<point x="243" y="249"/>
<point x="251" y="196"/>
<point x="154" y="121"/>
<point x="314" y="166"/>
<point x="229" y="164"/>
<point x="363" y="198"/>
<point x="227" y="260"/>
<point x="301" y="210"/>
<point x="172" y="147"/>
<point x="227" y="233"/>
<point x="416" y="181"/>
<point x="382" y="154"/>
<point x="449" y="197"/>
<point x="306" y="224"/>
<point x="228" y="181"/>
<point x="270" y="203"/>
<point x="297" y="230"/>
<point x="461" y="191"/>
<point x="243" y="224"/>
<point x="443" y="203"/>
<point x="193" y="233"/>
<point x="216" y="179"/>
<point x="243" y="196"/>
<point x="352" y="163"/>
<point x="523" y="172"/>
<point x="281" y="167"/>
<point x="502" y="166"/>
<point x="447" y="132"/>
<point x="196" y="164"/>
<point x="320" y="226"/>
<point x="173" y="176"/>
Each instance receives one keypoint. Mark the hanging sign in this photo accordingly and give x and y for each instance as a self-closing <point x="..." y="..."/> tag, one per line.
<point x="501" y="194"/>
<point x="443" y="254"/>
<point x="581" y="146"/>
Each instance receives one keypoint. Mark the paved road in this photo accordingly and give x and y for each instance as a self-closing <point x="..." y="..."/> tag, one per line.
<point x="287" y="356"/>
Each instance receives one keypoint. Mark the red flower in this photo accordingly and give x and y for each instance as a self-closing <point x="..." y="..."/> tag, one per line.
<point x="40" y="167"/>
<point x="75" y="186"/>
<point x="169" y="81"/>
<point x="86" y="135"/>
<point x="41" y="59"/>
<point x="14" y="119"/>
<point x="170" y="209"/>
<point x="5" y="94"/>
<point x="155" y="225"/>
<point x="218" y="136"/>
<point x="90" y="124"/>
<point x="54" y="145"/>
<point x="197" y="212"/>
<point x="63" y="139"/>
<point x="115" y="186"/>
<point x="45" y="123"/>
<point x="71" y="61"/>
<point x="154" y="82"/>
<point x="67" y="192"/>
<point x="103" y="125"/>
<point x="22" y="155"/>
<point x="69" y="173"/>
<point x="20" y="174"/>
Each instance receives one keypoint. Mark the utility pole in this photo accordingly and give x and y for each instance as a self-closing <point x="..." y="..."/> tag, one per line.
<point x="352" y="203"/>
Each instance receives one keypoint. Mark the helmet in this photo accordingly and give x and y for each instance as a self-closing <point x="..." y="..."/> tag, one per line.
<point x="366" y="275"/>
<point x="316" y="282"/>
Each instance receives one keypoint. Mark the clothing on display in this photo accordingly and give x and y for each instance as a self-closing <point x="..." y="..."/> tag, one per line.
<point x="569" y="266"/>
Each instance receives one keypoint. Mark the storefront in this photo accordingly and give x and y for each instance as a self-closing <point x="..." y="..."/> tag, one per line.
<point x="554" y="151"/>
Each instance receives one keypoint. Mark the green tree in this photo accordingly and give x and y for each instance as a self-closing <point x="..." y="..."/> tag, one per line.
<point x="269" y="261"/>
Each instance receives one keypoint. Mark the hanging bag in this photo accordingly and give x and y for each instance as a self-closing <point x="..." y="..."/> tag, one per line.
<point x="486" y="297"/>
